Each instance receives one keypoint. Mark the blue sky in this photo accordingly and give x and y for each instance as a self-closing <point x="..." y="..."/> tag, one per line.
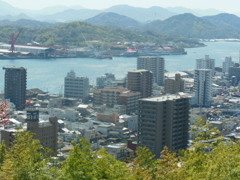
<point x="224" y="5"/>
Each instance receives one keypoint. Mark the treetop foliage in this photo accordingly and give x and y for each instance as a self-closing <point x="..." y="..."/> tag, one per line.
<point x="26" y="159"/>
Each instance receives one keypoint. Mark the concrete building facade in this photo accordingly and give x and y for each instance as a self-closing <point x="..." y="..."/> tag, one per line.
<point x="141" y="81"/>
<point x="105" y="80"/>
<point x="164" y="121"/>
<point x="206" y="63"/>
<point x="76" y="87"/>
<point x="130" y="100"/>
<point x="155" y="64"/>
<point x="234" y="71"/>
<point x="227" y="64"/>
<point x="15" y="86"/>
<point x="203" y="87"/>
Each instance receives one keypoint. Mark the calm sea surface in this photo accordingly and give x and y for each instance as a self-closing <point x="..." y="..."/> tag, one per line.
<point x="48" y="74"/>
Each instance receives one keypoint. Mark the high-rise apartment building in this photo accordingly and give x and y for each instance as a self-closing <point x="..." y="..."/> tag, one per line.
<point x="227" y="64"/>
<point x="203" y="87"/>
<point x="164" y="121"/>
<point x="172" y="86"/>
<point x="155" y="64"/>
<point x="140" y="80"/>
<point x="15" y="86"/>
<point x="206" y="63"/>
<point x="76" y="87"/>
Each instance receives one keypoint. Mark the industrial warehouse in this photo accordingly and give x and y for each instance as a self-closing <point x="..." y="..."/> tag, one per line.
<point x="25" y="51"/>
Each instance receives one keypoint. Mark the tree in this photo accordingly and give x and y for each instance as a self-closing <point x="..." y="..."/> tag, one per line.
<point x="2" y="154"/>
<point x="222" y="162"/>
<point x="83" y="163"/>
<point x="204" y="136"/>
<point x="4" y="112"/>
<point x="26" y="159"/>
<point x="145" y="164"/>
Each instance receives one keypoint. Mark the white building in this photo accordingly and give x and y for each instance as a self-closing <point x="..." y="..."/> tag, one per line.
<point x="69" y="114"/>
<point x="76" y="87"/>
<point x="227" y="64"/>
<point x="35" y="50"/>
<point x="206" y="63"/>
<point x="104" y="80"/>
<point x="155" y="64"/>
<point x="203" y="87"/>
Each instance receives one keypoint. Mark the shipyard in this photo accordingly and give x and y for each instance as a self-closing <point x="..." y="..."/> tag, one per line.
<point x="39" y="52"/>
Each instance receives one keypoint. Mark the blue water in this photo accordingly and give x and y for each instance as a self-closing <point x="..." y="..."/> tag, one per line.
<point x="48" y="74"/>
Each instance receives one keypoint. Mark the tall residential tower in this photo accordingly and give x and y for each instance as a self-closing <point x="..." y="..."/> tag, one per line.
<point x="206" y="63"/>
<point x="140" y="80"/>
<point x="15" y="86"/>
<point x="203" y="87"/>
<point x="155" y="64"/>
<point x="164" y="121"/>
<point x="76" y="87"/>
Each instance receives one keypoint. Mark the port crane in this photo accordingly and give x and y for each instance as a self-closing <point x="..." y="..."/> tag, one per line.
<point x="13" y="40"/>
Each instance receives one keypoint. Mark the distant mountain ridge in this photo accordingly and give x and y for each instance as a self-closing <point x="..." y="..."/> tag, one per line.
<point x="153" y="21"/>
<point x="70" y="15"/>
<point x="75" y="13"/>
<point x="113" y="19"/>
<point x="141" y="14"/>
<point x="196" y="12"/>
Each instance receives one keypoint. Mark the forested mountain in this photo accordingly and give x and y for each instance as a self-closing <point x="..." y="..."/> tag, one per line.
<point x="224" y="20"/>
<point x="112" y="27"/>
<point x="75" y="33"/>
<point x="25" y="23"/>
<point x="191" y="26"/>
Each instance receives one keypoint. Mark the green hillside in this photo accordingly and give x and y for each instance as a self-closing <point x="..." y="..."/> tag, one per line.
<point x="77" y="33"/>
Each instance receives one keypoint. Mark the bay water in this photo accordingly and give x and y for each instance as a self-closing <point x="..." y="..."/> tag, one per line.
<point x="48" y="74"/>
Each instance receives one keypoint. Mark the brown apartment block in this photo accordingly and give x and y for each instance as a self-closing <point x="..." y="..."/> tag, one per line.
<point x="108" y="96"/>
<point x="140" y="80"/>
<point x="121" y="96"/>
<point x="172" y="86"/>
<point x="45" y="132"/>
<point x="130" y="100"/>
<point x="164" y="121"/>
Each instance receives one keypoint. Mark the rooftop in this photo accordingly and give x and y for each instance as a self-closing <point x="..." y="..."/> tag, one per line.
<point x="29" y="47"/>
<point x="139" y="70"/>
<point x="14" y="67"/>
<point x="130" y="93"/>
<point x="167" y="97"/>
<point x="115" y="90"/>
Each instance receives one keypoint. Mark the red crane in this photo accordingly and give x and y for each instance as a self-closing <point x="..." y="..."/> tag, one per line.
<point x="13" y="40"/>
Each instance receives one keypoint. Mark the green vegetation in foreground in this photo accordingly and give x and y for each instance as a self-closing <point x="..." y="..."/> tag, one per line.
<point x="77" y="33"/>
<point x="27" y="160"/>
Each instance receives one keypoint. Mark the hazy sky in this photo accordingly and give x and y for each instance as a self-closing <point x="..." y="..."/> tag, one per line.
<point x="225" y="5"/>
